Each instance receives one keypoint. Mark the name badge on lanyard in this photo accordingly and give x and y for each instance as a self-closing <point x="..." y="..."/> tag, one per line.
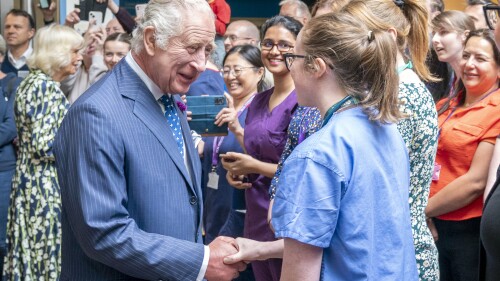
<point x="436" y="172"/>
<point x="213" y="179"/>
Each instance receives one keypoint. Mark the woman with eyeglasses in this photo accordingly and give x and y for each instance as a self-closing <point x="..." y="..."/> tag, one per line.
<point x="243" y="72"/>
<point x="341" y="204"/>
<point x="264" y="137"/>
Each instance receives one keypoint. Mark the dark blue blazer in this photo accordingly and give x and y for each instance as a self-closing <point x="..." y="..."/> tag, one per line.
<point x="131" y="210"/>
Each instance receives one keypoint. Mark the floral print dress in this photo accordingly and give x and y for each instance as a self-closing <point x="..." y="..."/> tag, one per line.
<point x="419" y="131"/>
<point x="34" y="219"/>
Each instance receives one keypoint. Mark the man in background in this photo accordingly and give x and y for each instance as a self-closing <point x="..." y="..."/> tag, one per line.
<point x="475" y="10"/>
<point x="295" y="9"/>
<point x="18" y="31"/>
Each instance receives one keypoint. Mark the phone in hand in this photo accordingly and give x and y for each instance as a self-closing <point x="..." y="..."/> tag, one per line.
<point x="139" y="10"/>
<point x="226" y="158"/>
<point x="44" y="4"/>
<point x="97" y="16"/>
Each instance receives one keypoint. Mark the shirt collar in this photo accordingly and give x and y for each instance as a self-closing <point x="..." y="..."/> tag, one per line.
<point x="22" y="59"/>
<point x="153" y="88"/>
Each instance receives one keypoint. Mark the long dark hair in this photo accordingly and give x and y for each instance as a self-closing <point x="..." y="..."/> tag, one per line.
<point x="459" y="92"/>
<point x="251" y="54"/>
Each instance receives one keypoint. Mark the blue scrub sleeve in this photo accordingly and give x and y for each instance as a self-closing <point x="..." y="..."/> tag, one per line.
<point x="307" y="201"/>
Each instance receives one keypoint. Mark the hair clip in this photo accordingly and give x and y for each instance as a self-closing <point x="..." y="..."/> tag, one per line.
<point x="399" y="3"/>
<point x="370" y="36"/>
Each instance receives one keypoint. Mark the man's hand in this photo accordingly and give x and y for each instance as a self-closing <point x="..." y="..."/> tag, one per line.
<point x="219" y="248"/>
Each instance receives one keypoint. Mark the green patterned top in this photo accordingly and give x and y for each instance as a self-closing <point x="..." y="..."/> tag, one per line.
<point x="419" y="131"/>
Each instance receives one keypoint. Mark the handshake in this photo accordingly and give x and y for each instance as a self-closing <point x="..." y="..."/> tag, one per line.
<point x="229" y="256"/>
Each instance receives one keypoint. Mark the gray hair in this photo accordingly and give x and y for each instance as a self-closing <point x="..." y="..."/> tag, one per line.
<point x="167" y="17"/>
<point x="301" y="7"/>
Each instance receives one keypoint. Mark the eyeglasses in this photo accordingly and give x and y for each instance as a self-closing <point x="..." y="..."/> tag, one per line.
<point x="491" y="14"/>
<point x="289" y="58"/>
<point x="236" y="71"/>
<point x="234" y="38"/>
<point x="282" y="46"/>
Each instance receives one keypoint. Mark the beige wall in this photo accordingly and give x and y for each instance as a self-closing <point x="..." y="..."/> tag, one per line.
<point x="457" y="4"/>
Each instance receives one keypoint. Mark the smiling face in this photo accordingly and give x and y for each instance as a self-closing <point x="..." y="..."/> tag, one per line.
<point x="480" y="72"/>
<point x="184" y="58"/>
<point x="244" y="84"/>
<point x="114" y="51"/>
<point x="448" y="45"/>
<point x="72" y="67"/>
<point x="273" y="58"/>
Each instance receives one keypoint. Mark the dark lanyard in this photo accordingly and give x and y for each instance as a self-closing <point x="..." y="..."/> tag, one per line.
<point x="218" y="140"/>
<point x="334" y="108"/>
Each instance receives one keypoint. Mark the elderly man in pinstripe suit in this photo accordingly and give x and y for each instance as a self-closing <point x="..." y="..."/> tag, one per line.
<point x="128" y="170"/>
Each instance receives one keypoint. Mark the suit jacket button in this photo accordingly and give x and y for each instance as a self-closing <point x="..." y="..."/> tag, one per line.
<point x="193" y="200"/>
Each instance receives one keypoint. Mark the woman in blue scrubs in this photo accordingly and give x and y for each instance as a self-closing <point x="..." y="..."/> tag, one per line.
<point x="342" y="200"/>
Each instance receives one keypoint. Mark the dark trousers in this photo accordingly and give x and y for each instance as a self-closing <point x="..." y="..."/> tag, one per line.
<point x="458" y="247"/>
<point x="5" y="187"/>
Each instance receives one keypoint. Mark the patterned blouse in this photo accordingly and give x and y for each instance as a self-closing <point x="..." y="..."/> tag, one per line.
<point x="305" y="122"/>
<point x="419" y="131"/>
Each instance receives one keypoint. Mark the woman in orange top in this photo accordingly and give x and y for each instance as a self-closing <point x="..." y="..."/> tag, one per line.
<point x="468" y="127"/>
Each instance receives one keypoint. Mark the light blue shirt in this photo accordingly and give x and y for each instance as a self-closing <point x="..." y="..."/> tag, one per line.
<point x="345" y="189"/>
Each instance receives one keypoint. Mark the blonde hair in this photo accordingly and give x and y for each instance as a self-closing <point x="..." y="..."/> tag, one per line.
<point x="167" y="17"/>
<point x="363" y="60"/>
<point x="52" y="48"/>
<point x="410" y="23"/>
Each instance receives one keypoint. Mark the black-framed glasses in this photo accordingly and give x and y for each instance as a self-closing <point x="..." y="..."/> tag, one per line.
<point x="282" y="46"/>
<point x="236" y="71"/>
<point x="289" y="58"/>
<point x="234" y="38"/>
<point x="491" y="14"/>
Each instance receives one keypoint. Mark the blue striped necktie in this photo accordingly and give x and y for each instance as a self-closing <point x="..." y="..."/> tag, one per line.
<point x="173" y="122"/>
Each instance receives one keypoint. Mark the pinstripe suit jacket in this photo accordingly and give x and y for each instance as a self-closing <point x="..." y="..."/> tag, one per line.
<point x="131" y="210"/>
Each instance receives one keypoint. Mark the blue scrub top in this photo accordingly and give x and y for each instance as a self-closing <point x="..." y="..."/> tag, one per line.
<point x="345" y="189"/>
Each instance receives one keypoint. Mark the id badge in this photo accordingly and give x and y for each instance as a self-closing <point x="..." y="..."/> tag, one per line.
<point x="436" y="172"/>
<point x="213" y="180"/>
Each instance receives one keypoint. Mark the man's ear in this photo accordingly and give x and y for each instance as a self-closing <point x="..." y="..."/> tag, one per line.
<point x="150" y="40"/>
<point x="31" y="33"/>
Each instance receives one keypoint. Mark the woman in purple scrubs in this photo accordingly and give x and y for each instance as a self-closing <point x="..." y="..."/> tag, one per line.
<point x="264" y="137"/>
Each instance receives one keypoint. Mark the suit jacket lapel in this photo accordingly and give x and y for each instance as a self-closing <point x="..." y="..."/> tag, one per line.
<point x="149" y="112"/>
<point x="192" y="152"/>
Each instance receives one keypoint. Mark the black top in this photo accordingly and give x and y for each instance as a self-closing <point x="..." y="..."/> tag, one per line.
<point x="489" y="261"/>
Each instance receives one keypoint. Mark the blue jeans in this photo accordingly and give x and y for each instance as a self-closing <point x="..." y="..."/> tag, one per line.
<point x="5" y="187"/>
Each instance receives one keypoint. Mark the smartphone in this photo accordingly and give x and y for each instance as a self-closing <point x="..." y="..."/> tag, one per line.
<point x="44" y="4"/>
<point x="139" y="10"/>
<point x="204" y="109"/>
<point x="87" y="6"/>
<point x="97" y="16"/>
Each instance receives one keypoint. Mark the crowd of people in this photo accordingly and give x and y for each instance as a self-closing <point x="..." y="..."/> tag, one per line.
<point x="361" y="143"/>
